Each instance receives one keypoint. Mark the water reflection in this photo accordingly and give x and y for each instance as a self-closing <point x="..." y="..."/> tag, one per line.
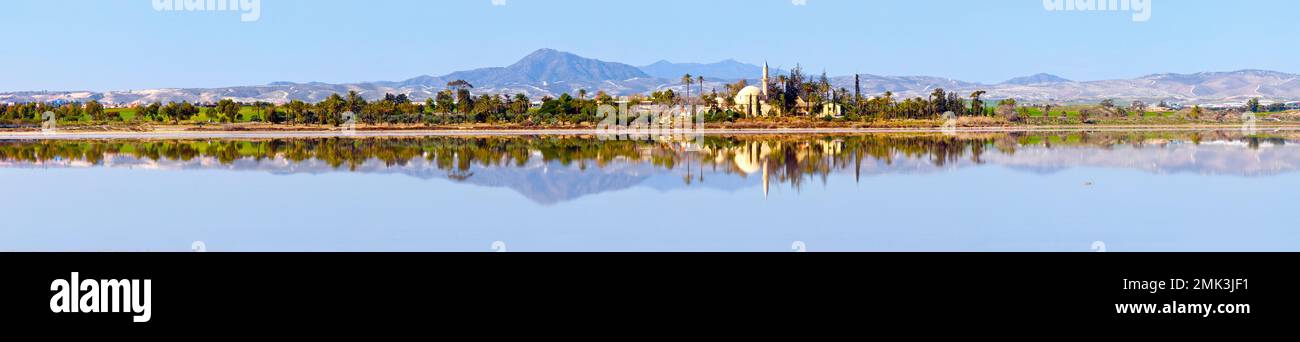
<point x="554" y="169"/>
<point x="1041" y="191"/>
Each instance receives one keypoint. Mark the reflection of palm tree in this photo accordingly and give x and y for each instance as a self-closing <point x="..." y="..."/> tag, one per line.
<point x="689" y="176"/>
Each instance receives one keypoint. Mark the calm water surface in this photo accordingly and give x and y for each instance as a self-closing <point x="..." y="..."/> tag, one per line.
<point x="1130" y="191"/>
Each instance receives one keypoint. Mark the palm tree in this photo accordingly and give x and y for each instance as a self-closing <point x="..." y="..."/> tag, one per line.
<point x="582" y="94"/>
<point x="460" y="95"/>
<point x="700" y="83"/>
<point x="886" y="102"/>
<point x="977" y="106"/>
<point x="687" y="79"/>
<point x="458" y="84"/>
<point x="270" y="112"/>
<point x="355" y="102"/>
<point x="333" y="108"/>
<point x="936" y="98"/>
<point x="523" y="99"/>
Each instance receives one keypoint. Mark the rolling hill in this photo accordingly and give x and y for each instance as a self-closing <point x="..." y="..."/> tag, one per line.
<point x="548" y="72"/>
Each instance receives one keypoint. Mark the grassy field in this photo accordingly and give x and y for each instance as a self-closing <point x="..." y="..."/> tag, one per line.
<point x="246" y="114"/>
<point x="1072" y="112"/>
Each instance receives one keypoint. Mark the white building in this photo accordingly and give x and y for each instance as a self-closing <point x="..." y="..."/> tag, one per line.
<point x="752" y="100"/>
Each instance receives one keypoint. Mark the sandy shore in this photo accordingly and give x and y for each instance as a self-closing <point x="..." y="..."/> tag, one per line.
<point x="177" y="134"/>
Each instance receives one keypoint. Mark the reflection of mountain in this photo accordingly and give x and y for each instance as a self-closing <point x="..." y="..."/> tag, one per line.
<point x="556" y="170"/>
<point x="542" y="182"/>
<point x="1217" y="158"/>
<point x="552" y="183"/>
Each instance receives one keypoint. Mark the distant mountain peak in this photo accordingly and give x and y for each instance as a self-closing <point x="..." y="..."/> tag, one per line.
<point x="546" y="66"/>
<point x="1040" y="78"/>
<point x="547" y="54"/>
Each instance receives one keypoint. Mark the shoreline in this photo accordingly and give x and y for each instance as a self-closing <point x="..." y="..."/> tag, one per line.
<point x="362" y="133"/>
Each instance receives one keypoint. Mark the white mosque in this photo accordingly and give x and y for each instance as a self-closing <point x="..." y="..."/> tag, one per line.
<point x="752" y="101"/>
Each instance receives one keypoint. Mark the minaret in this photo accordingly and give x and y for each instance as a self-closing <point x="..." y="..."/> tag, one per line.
<point x="764" y="87"/>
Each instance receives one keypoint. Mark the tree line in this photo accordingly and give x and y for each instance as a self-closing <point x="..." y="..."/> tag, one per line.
<point x="453" y="105"/>
<point x="795" y="94"/>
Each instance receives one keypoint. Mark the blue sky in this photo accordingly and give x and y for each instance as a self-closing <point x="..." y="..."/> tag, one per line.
<point x="126" y="44"/>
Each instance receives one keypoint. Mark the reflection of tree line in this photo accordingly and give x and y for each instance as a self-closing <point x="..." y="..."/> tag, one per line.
<point x="447" y="153"/>
<point x="1145" y="138"/>
<point x="789" y="159"/>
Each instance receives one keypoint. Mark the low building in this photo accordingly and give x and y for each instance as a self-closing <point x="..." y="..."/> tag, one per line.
<point x="752" y="100"/>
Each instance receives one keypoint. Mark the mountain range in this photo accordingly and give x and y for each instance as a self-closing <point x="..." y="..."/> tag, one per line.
<point x="548" y="72"/>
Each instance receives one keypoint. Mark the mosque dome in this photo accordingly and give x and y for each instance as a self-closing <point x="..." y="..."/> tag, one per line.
<point x="747" y="164"/>
<point x="747" y="92"/>
<point x="749" y="158"/>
